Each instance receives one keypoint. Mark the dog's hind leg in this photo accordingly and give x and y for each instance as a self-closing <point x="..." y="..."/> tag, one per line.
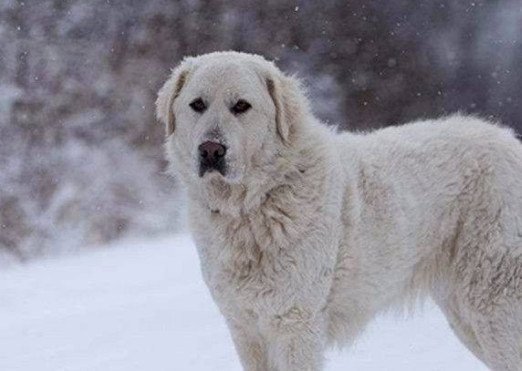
<point x="493" y="336"/>
<point x="462" y="329"/>
<point x="500" y="338"/>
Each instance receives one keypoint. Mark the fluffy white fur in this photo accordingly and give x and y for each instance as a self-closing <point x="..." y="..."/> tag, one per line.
<point x="311" y="233"/>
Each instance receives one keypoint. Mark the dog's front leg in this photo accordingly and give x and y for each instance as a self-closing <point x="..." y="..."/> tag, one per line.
<point x="250" y="347"/>
<point x="295" y="341"/>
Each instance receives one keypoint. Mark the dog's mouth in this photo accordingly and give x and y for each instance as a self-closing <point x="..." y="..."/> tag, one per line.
<point x="222" y="170"/>
<point x="217" y="166"/>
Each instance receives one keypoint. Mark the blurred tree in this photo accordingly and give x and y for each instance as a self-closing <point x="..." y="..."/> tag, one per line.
<point x="81" y="152"/>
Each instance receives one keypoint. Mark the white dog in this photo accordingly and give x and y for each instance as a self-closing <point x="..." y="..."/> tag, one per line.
<point x="305" y="234"/>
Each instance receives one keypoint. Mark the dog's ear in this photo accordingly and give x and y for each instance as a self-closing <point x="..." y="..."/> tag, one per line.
<point x="290" y="103"/>
<point x="168" y="92"/>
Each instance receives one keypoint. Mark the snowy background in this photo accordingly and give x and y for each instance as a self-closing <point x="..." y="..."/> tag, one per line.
<point x="81" y="160"/>
<point x="142" y="306"/>
<point x="87" y="282"/>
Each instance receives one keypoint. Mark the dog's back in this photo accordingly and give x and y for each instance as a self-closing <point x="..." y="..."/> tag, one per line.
<point x="439" y="211"/>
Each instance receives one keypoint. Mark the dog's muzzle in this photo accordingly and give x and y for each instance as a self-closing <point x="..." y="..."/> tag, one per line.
<point x="212" y="157"/>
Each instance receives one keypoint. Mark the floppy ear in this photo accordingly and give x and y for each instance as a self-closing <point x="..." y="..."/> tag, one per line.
<point x="290" y="103"/>
<point x="168" y="92"/>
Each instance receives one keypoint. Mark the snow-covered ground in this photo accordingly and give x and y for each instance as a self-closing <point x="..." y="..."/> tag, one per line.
<point x="143" y="306"/>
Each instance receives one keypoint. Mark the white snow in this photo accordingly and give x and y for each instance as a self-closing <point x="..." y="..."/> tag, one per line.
<point x="143" y="306"/>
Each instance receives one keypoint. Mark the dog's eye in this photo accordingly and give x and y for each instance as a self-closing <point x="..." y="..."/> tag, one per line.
<point x="240" y="107"/>
<point x="198" y="105"/>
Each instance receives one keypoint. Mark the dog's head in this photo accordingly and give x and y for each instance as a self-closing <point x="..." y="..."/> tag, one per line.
<point x="228" y="114"/>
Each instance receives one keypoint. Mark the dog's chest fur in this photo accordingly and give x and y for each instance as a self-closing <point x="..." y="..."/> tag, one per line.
<point x="259" y="261"/>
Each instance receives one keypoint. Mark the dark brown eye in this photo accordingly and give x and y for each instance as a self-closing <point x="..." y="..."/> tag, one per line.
<point x="240" y="107"/>
<point x="198" y="105"/>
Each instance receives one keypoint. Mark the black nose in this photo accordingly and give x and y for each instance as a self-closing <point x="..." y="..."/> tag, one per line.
<point x="212" y="151"/>
<point x="212" y="157"/>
